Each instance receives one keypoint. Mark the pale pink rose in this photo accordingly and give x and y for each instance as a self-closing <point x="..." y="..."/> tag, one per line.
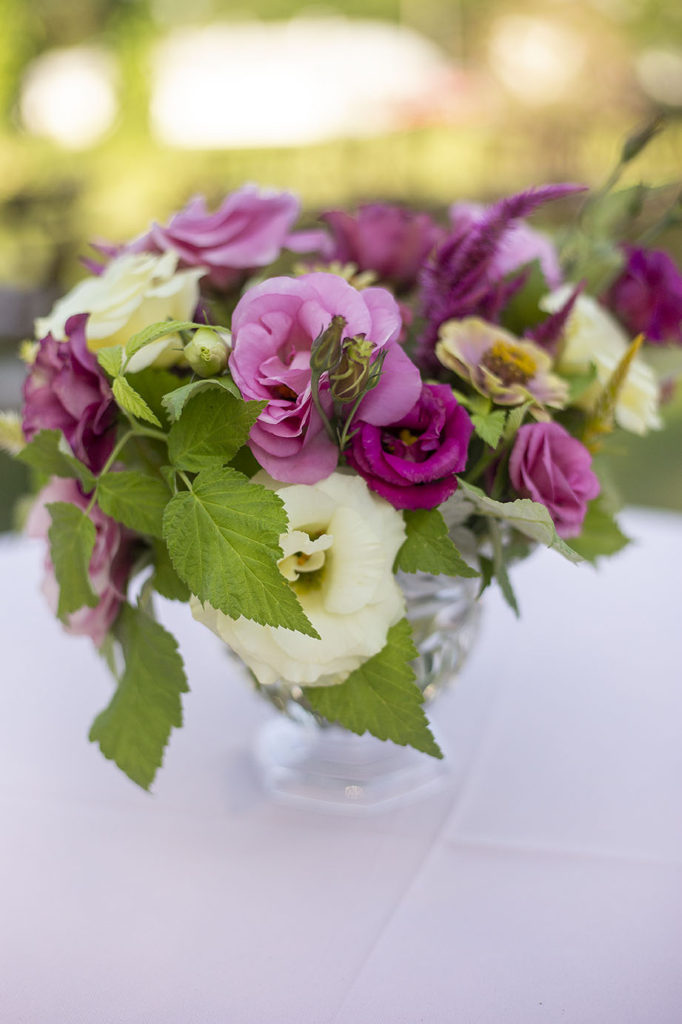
<point x="109" y="567"/>
<point x="273" y="329"/>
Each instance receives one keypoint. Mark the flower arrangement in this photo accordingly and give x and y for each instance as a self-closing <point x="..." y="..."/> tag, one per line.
<point x="273" y="446"/>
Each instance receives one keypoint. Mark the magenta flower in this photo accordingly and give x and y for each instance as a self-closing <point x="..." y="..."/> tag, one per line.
<point x="273" y="329"/>
<point x="647" y="296"/>
<point x="66" y="390"/>
<point x="248" y="230"/>
<point x="412" y="463"/>
<point x="550" y="466"/>
<point x="110" y="564"/>
<point x="390" y="240"/>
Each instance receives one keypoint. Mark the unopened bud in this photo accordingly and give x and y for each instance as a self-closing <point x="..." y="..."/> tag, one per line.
<point x="634" y="145"/>
<point x="207" y="352"/>
<point x="326" y="349"/>
<point x="351" y="377"/>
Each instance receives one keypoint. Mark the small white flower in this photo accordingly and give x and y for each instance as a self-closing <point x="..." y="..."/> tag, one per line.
<point x="338" y="557"/>
<point x="593" y="336"/>
<point x="133" y="292"/>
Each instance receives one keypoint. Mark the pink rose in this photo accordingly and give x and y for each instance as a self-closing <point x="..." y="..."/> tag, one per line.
<point x="248" y="230"/>
<point x="273" y="329"/>
<point x="550" y="466"/>
<point x="110" y="564"/>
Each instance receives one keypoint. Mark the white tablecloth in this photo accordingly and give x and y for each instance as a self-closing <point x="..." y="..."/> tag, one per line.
<point x="542" y="884"/>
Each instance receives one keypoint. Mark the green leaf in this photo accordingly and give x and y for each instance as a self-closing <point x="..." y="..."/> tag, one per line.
<point x="153" y="333"/>
<point x="600" y="534"/>
<point x="523" y="309"/>
<point x="175" y="402"/>
<point x="528" y="517"/>
<point x="72" y="541"/>
<point x="133" y="730"/>
<point x="381" y="696"/>
<point x="134" y="499"/>
<point x="515" y="419"/>
<point x="212" y="429"/>
<point x="49" y="453"/>
<point x="428" y="547"/>
<point x="164" y="578"/>
<point x="487" y="573"/>
<point x="490" y="427"/>
<point x="153" y="384"/>
<point x="128" y="399"/>
<point x="223" y="539"/>
<point x="111" y="360"/>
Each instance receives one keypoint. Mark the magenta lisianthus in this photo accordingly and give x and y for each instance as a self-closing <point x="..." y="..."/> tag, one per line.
<point x="413" y="461"/>
<point x="248" y="230"/>
<point x="273" y="328"/>
<point x="67" y="390"/>
<point x="110" y="564"/>
<point x="550" y="466"/>
<point x="390" y="240"/>
<point x="647" y="295"/>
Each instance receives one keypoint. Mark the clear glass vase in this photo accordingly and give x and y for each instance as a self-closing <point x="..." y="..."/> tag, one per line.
<point x="305" y="760"/>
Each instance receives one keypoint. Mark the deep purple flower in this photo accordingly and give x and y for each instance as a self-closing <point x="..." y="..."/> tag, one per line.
<point x="465" y="276"/>
<point x="413" y="462"/>
<point x="647" y="296"/>
<point x="247" y="231"/>
<point x="110" y="565"/>
<point x="390" y="240"/>
<point x="550" y="466"/>
<point x="66" y="390"/>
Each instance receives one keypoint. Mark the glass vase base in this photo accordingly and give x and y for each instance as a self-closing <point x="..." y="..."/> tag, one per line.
<point x="334" y="770"/>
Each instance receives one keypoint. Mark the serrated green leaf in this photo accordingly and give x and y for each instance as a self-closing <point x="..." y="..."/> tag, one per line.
<point x="175" y="402"/>
<point x="49" y="453"/>
<point x="153" y="384"/>
<point x="164" y="578"/>
<point x="600" y="534"/>
<point x="212" y="429"/>
<point x="223" y="539"/>
<point x="515" y="419"/>
<point x="128" y="399"/>
<point x="528" y="517"/>
<point x="487" y="573"/>
<point x="72" y="541"/>
<point x="428" y="546"/>
<point x="154" y="332"/>
<point x="111" y="360"/>
<point x="490" y="427"/>
<point x="134" y="729"/>
<point x="134" y="499"/>
<point x="381" y="697"/>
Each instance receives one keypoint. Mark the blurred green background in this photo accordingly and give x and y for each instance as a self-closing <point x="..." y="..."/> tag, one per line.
<point x="114" y="112"/>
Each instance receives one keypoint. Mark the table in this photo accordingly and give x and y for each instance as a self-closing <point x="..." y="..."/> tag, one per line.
<point x="542" y="884"/>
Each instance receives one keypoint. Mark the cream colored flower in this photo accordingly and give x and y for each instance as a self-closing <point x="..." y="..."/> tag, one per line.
<point x="133" y="292"/>
<point x="507" y="369"/>
<point x="337" y="556"/>
<point x="592" y="336"/>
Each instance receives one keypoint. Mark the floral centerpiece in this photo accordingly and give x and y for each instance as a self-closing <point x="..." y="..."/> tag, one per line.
<point x="275" y="445"/>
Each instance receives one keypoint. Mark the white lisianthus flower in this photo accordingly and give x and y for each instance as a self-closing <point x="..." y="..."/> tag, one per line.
<point x="337" y="556"/>
<point x="593" y="336"/>
<point x="132" y="292"/>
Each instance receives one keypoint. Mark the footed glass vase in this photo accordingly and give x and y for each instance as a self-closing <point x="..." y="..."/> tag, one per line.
<point x="305" y="760"/>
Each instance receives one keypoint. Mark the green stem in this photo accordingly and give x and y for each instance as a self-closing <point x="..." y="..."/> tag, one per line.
<point x="315" y="392"/>
<point x="120" y="444"/>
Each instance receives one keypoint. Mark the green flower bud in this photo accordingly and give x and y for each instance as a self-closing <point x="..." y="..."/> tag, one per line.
<point x="207" y="352"/>
<point x="351" y="376"/>
<point x="326" y="349"/>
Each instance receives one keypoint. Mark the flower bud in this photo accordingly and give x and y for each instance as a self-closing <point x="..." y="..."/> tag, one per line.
<point x="327" y="347"/>
<point x="207" y="352"/>
<point x="351" y="377"/>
